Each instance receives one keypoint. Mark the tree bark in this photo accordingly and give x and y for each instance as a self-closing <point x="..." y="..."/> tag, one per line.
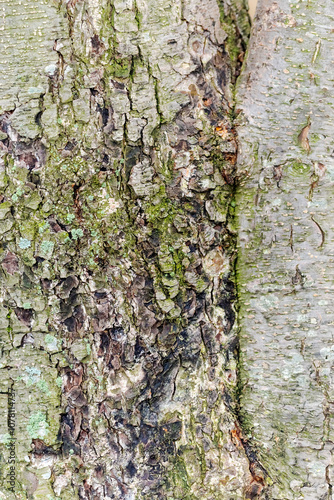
<point x="165" y="255"/>
<point x="119" y="346"/>
<point x="285" y="254"/>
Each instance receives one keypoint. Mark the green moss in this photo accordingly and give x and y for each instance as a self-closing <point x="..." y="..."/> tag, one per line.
<point x="120" y="67"/>
<point x="161" y="211"/>
<point x="202" y="461"/>
<point x="179" y="475"/>
<point x="9" y="327"/>
<point x="139" y="15"/>
<point x="229" y="25"/>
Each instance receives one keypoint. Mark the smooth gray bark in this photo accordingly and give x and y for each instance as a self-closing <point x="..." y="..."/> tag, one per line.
<point x="118" y="156"/>
<point x="285" y="253"/>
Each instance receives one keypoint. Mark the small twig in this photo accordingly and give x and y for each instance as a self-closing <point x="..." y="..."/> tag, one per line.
<point x="321" y="231"/>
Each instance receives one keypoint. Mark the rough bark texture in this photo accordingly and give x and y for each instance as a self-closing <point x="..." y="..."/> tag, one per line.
<point x="118" y="158"/>
<point x="285" y="262"/>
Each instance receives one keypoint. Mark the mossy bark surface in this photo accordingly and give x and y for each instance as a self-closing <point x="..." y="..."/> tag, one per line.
<point x="117" y="176"/>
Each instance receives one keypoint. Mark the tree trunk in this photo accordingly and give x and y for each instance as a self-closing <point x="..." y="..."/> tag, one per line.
<point x="118" y="160"/>
<point x="165" y="250"/>
<point x="284" y="267"/>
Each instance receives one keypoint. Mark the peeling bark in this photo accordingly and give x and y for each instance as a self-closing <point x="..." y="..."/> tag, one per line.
<point x="165" y="255"/>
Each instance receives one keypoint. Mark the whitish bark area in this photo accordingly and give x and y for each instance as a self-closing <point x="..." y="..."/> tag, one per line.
<point x="117" y="256"/>
<point x="286" y="250"/>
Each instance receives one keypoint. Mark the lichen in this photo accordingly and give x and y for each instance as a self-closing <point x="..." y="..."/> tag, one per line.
<point x="24" y="243"/>
<point x="38" y="427"/>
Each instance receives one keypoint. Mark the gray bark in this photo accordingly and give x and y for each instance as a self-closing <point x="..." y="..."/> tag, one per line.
<point x="285" y="249"/>
<point x="118" y="158"/>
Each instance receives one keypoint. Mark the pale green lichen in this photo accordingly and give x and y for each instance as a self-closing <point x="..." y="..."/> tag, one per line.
<point x="51" y="342"/>
<point x="70" y="217"/>
<point x="24" y="243"/>
<point x="59" y="381"/>
<point x="44" y="387"/>
<point x="46" y="248"/>
<point x="38" y="426"/>
<point x="77" y="233"/>
<point x="5" y="438"/>
<point x="32" y="375"/>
